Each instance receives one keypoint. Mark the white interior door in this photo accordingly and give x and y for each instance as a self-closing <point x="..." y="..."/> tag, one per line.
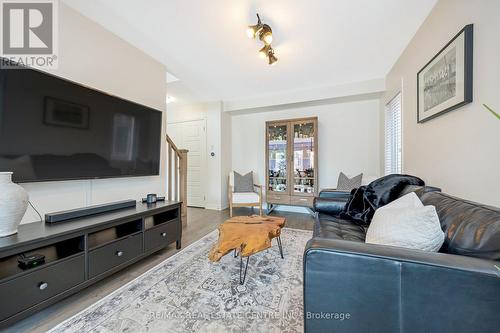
<point x="191" y="135"/>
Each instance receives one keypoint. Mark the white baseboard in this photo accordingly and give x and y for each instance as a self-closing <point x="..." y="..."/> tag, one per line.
<point x="216" y="207"/>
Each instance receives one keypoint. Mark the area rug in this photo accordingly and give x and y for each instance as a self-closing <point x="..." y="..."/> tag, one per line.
<point x="188" y="293"/>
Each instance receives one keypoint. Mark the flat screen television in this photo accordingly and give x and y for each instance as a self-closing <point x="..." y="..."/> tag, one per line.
<point x="54" y="129"/>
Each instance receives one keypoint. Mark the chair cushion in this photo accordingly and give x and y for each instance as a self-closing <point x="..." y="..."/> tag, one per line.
<point x="245" y="197"/>
<point x="327" y="226"/>
<point x="243" y="183"/>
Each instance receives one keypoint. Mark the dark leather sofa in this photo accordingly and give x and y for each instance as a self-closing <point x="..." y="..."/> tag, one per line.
<point x="350" y="286"/>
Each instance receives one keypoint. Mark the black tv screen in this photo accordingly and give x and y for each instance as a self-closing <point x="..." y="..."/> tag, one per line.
<point x="55" y="129"/>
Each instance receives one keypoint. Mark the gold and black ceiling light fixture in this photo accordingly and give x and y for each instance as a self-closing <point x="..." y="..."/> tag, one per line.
<point x="265" y="34"/>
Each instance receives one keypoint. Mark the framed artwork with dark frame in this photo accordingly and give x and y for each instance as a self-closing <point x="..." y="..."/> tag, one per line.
<point x="445" y="82"/>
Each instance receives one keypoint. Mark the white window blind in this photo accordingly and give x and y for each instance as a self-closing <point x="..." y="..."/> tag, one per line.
<point x="393" y="136"/>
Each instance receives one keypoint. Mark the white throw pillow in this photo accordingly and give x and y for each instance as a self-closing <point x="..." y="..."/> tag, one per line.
<point x="406" y="201"/>
<point x="406" y="223"/>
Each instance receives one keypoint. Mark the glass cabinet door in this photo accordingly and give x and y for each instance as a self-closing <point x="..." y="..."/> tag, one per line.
<point x="304" y="167"/>
<point x="277" y="157"/>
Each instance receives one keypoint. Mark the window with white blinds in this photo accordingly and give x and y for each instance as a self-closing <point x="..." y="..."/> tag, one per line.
<point x="393" y="136"/>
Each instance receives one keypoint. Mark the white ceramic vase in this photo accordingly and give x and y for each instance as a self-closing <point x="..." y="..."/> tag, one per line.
<point x="13" y="204"/>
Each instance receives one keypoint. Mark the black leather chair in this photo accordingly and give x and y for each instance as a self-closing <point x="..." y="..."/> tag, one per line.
<point x="350" y="286"/>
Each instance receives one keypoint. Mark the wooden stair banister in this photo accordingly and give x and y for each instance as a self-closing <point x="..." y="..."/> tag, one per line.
<point x="177" y="176"/>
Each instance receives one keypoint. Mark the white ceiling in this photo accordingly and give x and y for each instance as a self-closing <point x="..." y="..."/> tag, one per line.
<point x="319" y="43"/>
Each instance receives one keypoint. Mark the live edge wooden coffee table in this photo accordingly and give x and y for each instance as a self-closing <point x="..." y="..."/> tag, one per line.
<point x="247" y="235"/>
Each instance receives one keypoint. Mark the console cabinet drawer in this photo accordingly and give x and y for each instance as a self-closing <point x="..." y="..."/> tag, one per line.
<point x="278" y="198"/>
<point x="25" y="291"/>
<point x="106" y="257"/>
<point x="302" y="201"/>
<point x="162" y="234"/>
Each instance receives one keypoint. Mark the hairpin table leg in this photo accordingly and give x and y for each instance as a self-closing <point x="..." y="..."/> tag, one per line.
<point x="280" y="247"/>
<point x="241" y="269"/>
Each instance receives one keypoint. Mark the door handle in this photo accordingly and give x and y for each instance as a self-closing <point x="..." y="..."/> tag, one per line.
<point x="163" y="234"/>
<point x="43" y="285"/>
<point x="119" y="253"/>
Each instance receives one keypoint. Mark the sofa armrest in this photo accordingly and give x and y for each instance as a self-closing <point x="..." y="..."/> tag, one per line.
<point x="330" y="206"/>
<point x="356" y="287"/>
<point x="334" y="194"/>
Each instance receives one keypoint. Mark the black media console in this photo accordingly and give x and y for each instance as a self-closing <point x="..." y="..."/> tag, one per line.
<point x="79" y="253"/>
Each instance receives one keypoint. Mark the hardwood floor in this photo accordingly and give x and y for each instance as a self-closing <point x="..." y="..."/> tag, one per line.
<point x="200" y="223"/>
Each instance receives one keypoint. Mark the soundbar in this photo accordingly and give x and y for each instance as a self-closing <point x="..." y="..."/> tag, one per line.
<point x="86" y="211"/>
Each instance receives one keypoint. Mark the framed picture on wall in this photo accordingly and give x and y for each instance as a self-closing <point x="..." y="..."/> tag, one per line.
<point x="445" y="82"/>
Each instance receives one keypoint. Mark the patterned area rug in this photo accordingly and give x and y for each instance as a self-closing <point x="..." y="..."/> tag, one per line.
<point x="188" y="293"/>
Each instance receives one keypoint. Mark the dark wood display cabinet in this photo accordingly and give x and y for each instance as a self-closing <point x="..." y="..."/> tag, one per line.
<point x="79" y="253"/>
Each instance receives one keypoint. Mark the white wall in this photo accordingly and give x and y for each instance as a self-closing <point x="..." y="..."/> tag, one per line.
<point x="348" y="139"/>
<point x="218" y="141"/>
<point x="214" y="172"/>
<point x="93" y="56"/>
<point x="189" y="112"/>
<point x="460" y="150"/>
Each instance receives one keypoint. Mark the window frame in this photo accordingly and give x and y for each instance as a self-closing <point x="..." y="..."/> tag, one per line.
<point x="393" y="135"/>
